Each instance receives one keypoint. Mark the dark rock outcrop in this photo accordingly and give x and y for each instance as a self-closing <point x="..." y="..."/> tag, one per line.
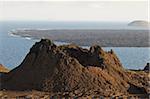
<point x="147" y="67"/>
<point x="136" y="90"/>
<point x="71" y="69"/>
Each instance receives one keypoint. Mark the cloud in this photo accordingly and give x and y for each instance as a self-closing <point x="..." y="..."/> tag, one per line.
<point x="74" y="11"/>
<point x="96" y="5"/>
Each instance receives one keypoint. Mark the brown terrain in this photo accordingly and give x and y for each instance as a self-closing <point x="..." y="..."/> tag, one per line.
<point x="71" y="71"/>
<point x="3" y="69"/>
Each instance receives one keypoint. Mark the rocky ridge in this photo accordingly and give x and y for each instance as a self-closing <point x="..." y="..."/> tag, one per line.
<point x="74" y="71"/>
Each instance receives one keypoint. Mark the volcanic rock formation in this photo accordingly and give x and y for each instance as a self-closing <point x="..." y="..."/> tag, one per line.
<point x="72" y="69"/>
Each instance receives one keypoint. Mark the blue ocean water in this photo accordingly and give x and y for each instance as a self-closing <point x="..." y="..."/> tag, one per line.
<point x="13" y="49"/>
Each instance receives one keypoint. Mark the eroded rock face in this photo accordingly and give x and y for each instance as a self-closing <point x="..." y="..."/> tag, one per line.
<point x="69" y="68"/>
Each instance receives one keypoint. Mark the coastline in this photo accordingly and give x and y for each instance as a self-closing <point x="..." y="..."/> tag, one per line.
<point x="88" y="37"/>
<point x="122" y="52"/>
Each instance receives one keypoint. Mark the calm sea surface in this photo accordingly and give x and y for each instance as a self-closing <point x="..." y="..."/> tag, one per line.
<point x="13" y="49"/>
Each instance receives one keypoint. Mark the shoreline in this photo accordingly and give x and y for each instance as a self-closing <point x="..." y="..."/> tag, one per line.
<point x="37" y="39"/>
<point x="105" y="38"/>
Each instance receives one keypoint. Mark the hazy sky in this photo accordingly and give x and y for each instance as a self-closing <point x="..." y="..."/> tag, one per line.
<point x="74" y="11"/>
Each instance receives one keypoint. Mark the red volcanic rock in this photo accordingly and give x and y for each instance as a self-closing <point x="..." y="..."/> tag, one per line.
<point x="71" y="69"/>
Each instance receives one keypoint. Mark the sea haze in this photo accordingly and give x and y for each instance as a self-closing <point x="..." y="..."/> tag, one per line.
<point x="13" y="48"/>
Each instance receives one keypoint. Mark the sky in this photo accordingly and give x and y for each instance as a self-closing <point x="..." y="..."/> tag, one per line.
<point x="74" y="10"/>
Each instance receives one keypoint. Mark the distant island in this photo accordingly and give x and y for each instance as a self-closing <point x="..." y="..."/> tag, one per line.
<point x="88" y="37"/>
<point x="140" y="23"/>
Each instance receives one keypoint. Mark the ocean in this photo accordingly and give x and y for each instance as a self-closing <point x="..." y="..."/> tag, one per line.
<point x="13" y="49"/>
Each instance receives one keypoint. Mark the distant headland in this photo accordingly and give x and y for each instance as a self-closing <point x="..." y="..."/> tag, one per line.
<point x="140" y="23"/>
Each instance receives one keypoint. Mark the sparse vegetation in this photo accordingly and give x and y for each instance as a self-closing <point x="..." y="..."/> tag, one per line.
<point x="104" y="38"/>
